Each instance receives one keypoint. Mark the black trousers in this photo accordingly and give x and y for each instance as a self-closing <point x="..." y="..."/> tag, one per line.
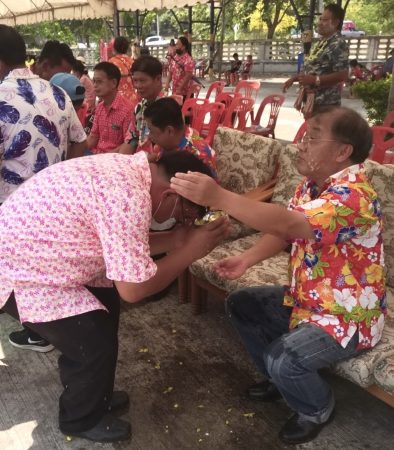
<point x="89" y="350"/>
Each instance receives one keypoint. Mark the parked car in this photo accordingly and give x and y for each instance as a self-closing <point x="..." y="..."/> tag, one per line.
<point x="156" y="40"/>
<point x="349" y="30"/>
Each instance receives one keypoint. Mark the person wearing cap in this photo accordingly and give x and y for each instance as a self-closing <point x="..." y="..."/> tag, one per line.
<point x="37" y="122"/>
<point x="72" y="86"/>
<point x="80" y="71"/>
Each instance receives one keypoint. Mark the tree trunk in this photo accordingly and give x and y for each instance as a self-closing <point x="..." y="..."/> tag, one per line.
<point x="390" y="106"/>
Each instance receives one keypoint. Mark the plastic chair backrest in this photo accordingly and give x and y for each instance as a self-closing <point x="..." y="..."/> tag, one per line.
<point x="300" y="133"/>
<point x="237" y="113"/>
<point x="247" y="88"/>
<point x="216" y="88"/>
<point x="208" y="119"/>
<point x="191" y="108"/>
<point x="382" y="140"/>
<point x="276" y="101"/>
<point x="389" y="120"/>
<point x="193" y="90"/>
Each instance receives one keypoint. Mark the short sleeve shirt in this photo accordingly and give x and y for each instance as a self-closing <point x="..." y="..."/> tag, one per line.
<point x="179" y="66"/>
<point x="337" y="280"/>
<point x="111" y="124"/>
<point x="81" y="222"/>
<point x="37" y="122"/>
<point x="328" y="56"/>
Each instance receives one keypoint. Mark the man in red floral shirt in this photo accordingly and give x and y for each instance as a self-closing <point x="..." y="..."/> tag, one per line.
<point x="181" y="68"/>
<point x="334" y="306"/>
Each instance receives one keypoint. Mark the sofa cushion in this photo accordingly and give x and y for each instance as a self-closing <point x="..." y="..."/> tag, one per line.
<point x="272" y="271"/>
<point x="288" y="176"/>
<point x="244" y="160"/>
<point x="382" y="178"/>
<point x="370" y="367"/>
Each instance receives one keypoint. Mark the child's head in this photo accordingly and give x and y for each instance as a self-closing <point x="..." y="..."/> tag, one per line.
<point x="72" y="86"/>
<point x="106" y="79"/>
<point x="249" y="58"/>
<point x="235" y="56"/>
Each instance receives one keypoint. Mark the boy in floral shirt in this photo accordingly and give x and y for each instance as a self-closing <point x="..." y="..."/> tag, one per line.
<point x="335" y="304"/>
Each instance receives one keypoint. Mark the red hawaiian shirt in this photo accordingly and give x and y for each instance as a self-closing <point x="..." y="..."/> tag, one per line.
<point x="179" y="66"/>
<point x="337" y="280"/>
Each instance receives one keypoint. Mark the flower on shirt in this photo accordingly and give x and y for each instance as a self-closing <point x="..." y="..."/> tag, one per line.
<point x="373" y="256"/>
<point x="314" y="294"/>
<point x="339" y="331"/>
<point x="340" y="190"/>
<point x="370" y="238"/>
<point x="377" y="330"/>
<point x="325" y="320"/>
<point x="368" y="298"/>
<point x="345" y="298"/>
<point x="346" y="233"/>
<point x="374" y="273"/>
<point x="350" y="333"/>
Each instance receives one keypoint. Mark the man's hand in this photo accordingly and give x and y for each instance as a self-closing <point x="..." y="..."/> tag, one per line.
<point x="232" y="267"/>
<point x="289" y="83"/>
<point x="198" y="188"/>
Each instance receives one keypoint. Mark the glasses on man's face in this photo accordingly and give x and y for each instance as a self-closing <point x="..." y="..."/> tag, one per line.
<point x="308" y="140"/>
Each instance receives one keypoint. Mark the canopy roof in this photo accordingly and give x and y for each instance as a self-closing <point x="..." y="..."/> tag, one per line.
<point x="21" y="12"/>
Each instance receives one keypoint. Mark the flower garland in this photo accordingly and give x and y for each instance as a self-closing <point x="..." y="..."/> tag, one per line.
<point x="317" y="50"/>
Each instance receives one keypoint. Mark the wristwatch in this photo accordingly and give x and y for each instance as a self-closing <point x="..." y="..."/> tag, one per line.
<point x="317" y="81"/>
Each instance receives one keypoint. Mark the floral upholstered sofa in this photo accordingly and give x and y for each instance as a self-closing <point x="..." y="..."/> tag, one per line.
<point x="373" y="370"/>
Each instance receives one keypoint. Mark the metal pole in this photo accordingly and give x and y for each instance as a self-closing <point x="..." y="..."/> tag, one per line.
<point x="212" y="38"/>
<point x="116" y="20"/>
<point x="222" y="38"/>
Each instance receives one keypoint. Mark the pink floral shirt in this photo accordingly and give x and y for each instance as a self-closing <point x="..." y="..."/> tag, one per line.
<point x="80" y="222"/>
<point x="180" y="65"/>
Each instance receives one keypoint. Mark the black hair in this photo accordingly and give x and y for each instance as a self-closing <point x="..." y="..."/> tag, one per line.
<point x="149" y="65"/>
<point x="182" y="161"/>
<point x="235" y="55"/>
<point x="165" y="112"/>
<point x="12" y="48"/>
<point x="172" y="42"/>
<point x="349" y="127"/>
<point x="185" y="42"/>
<point x="112" y="72"/>
<point x="121" y="44"/>
<point x="77" y="103"/>
<point x="337" y="12"/>
<point x="79" y="67"/>
<point x="55" y="52"/>
<point x="353" y="63"/>
<point x="144" y="51"/>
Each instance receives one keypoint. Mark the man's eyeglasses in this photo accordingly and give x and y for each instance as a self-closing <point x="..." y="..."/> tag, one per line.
<point x="307" y="140"/>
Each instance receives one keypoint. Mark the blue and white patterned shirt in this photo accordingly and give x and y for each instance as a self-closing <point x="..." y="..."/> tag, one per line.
<point x="37" y="121"/>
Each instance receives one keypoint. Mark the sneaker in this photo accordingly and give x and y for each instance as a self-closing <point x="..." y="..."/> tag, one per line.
<point x="21" y="339"/>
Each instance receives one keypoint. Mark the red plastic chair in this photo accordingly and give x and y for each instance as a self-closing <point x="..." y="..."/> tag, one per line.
<point x="389" y="120"/>
<point x="247" y="88"/>
<point x="383" y="145"/>
<point x="191" y="107"/>
<point x="193" y="91"/>
<point x="216" y="88"/>
<point x="237" y="114"/>
<point x="300" y="133"/>
<point x="276" y="101"/>
<point x="208" y="118"/>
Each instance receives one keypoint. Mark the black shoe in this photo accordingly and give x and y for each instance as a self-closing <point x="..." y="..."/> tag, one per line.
<point x="263" y="392"/>
<point x="119" y="402"/>
<point x="298" y="430"/>
<point x="109" y="429"/>
<point x="21" y="339"/>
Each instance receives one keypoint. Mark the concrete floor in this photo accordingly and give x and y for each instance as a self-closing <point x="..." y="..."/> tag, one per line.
<point x="185" y="376"/>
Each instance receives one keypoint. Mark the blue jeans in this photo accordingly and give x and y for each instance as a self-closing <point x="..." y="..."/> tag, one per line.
<point x="290" y="359"/>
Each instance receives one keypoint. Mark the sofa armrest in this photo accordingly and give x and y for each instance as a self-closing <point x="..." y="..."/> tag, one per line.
<point x="262" y="193"/>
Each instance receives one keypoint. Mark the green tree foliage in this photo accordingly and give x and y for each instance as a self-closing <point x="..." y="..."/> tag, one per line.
<point x="374" y="95"/>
